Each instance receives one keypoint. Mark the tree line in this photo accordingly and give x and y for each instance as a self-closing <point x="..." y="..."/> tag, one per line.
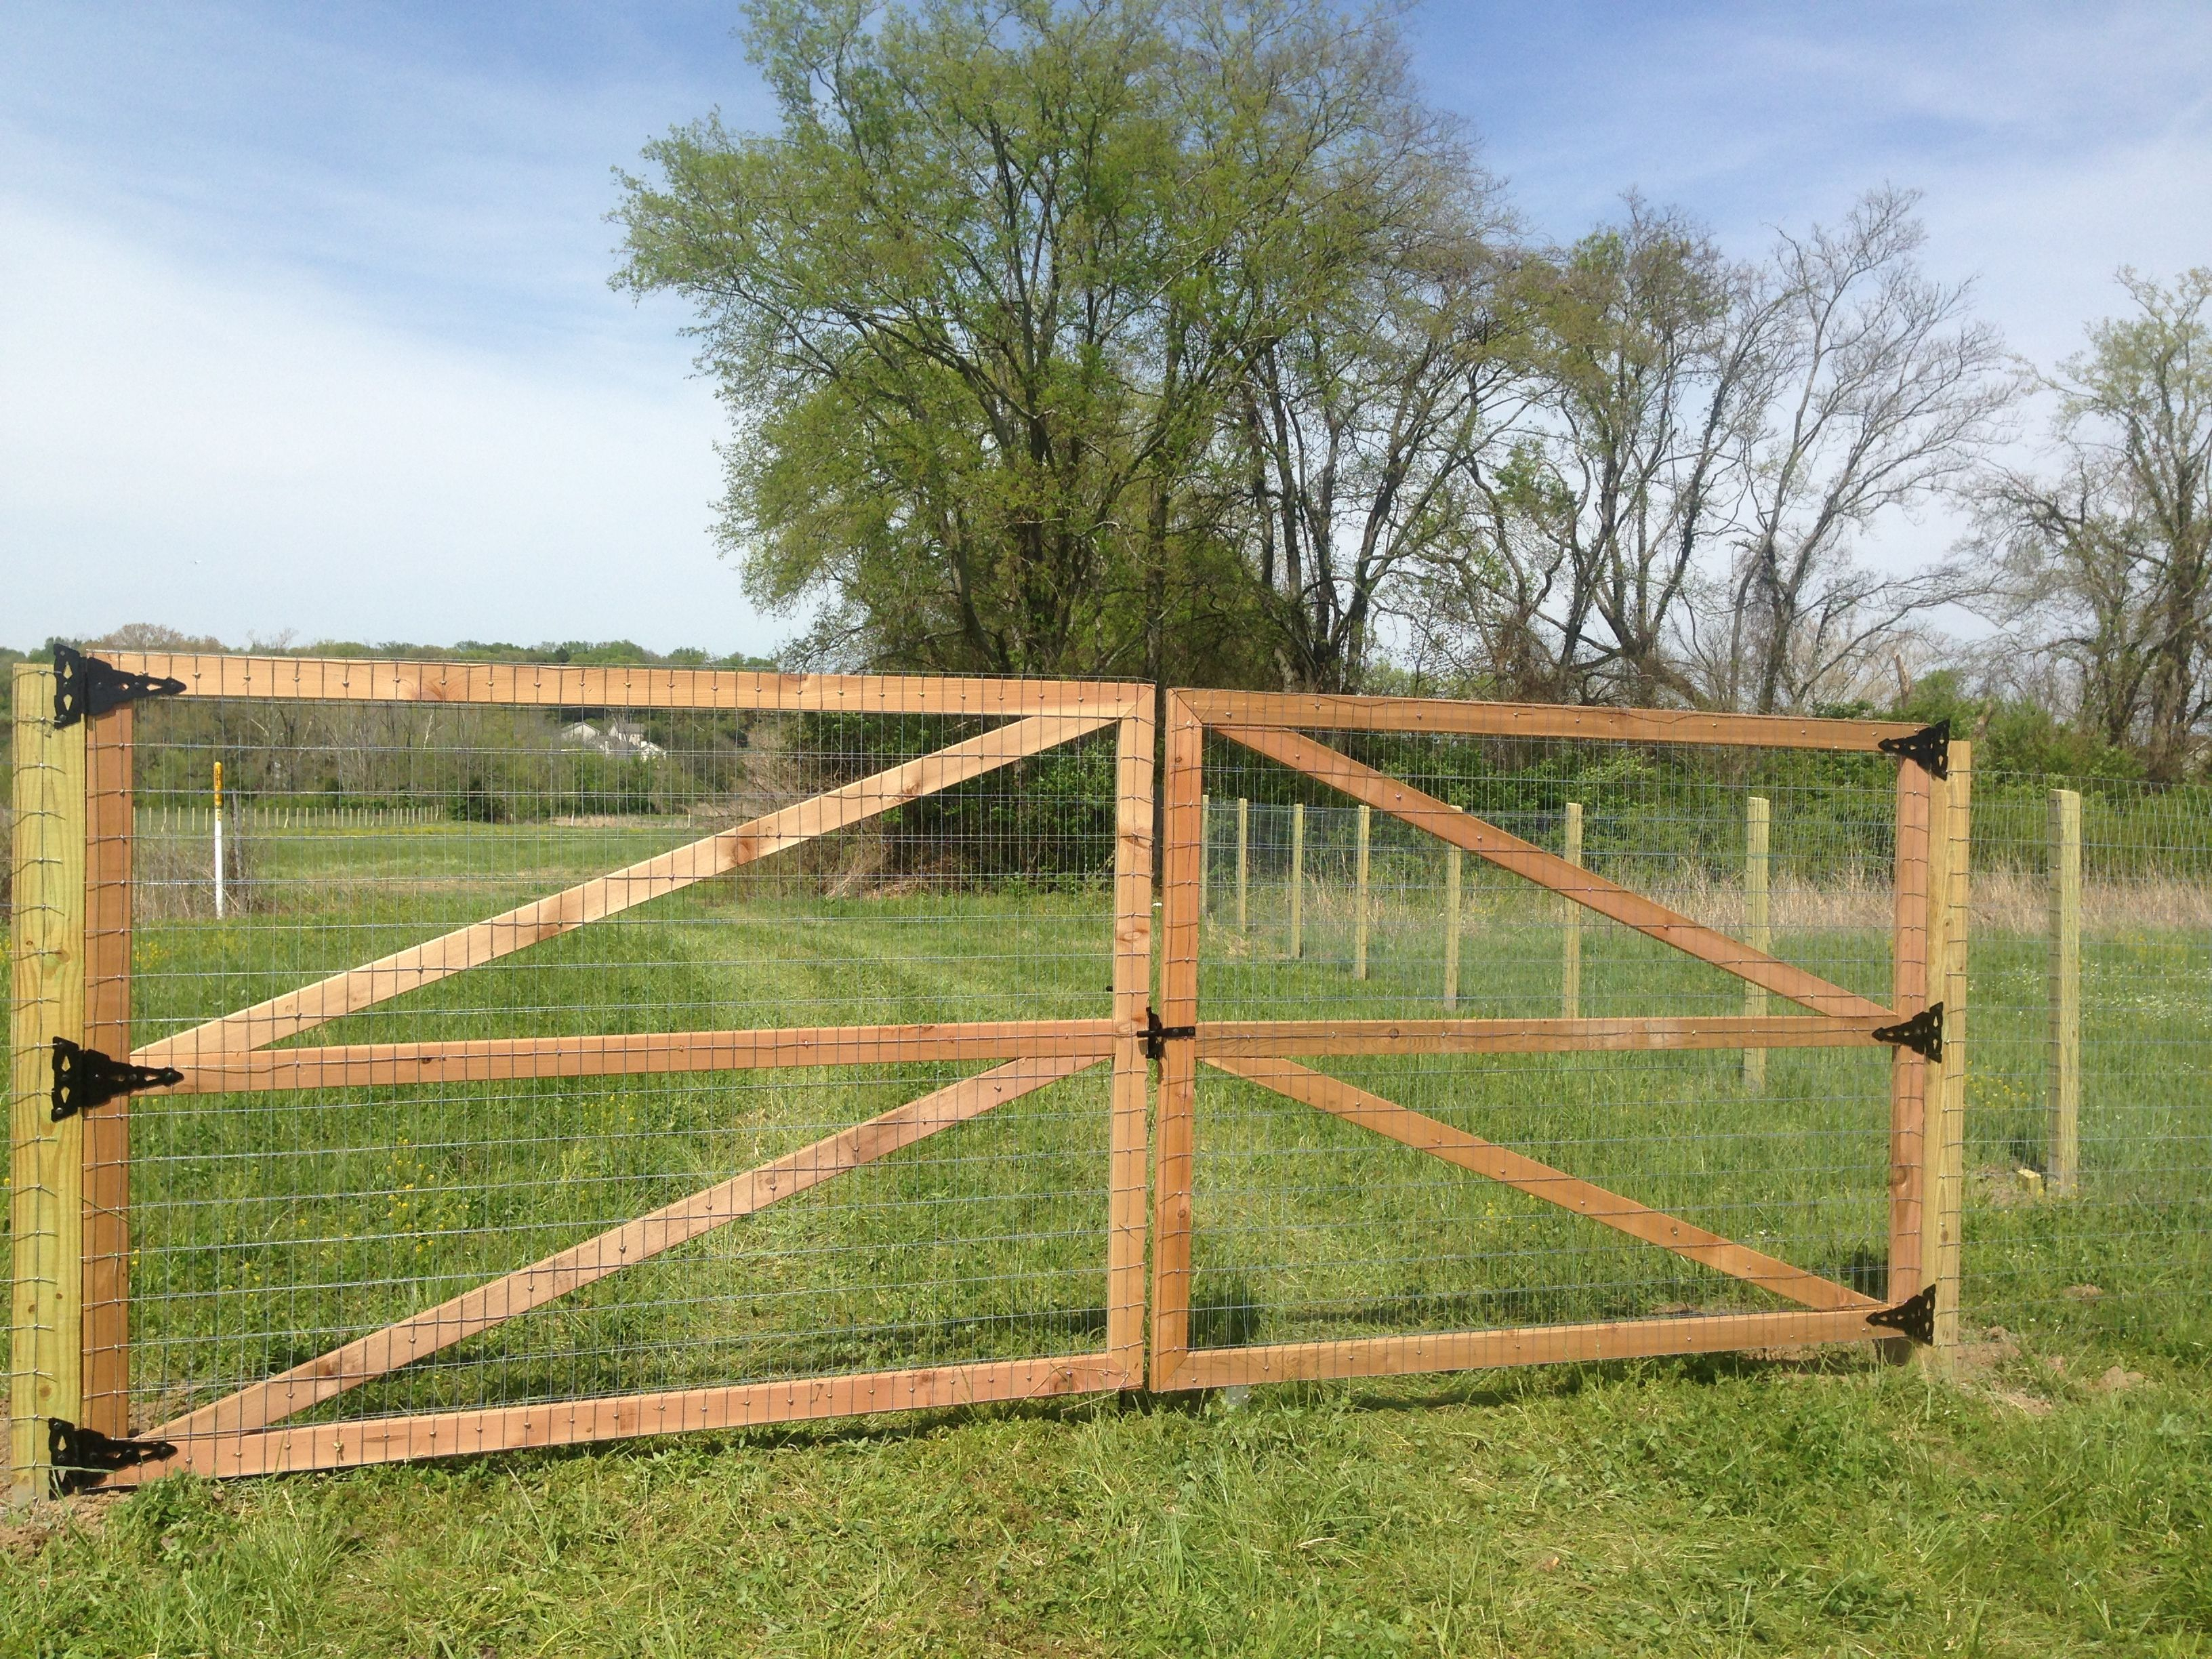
<point x="1177" y="339"/>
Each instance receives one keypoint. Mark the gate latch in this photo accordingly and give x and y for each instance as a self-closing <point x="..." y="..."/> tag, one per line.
<point x="1923" y="1033"/>
<point x="85" y="1077"/>
<point x="1158" y="1036"/>
<point x="1930" y="746"/>
<point x="86" y="686"/>
<point x="1914" y="1316"/>
<point x="81" y="1457"/>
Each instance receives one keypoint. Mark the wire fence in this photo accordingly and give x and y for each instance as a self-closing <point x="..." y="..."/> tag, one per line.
<point x="1307" y="1228"/>
<point x="390" y="1190"/>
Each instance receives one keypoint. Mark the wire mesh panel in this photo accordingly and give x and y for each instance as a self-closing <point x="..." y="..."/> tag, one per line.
<point x="1487" y="1045"/>
<point x="2090" y="1084"/>
<point x="568" y="1053"/>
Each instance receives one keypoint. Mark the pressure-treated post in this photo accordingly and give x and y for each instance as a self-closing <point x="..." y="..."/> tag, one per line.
<point x="1243" y="864"/>
<point x="1453" y="859"/>
<point x="1570" y="948"/>
<point x="1359" y="901"/>
<point x="2063" y="1157"/>
<point x="1756" y="932"/>
<point x="1947" y="1102"/>
<point x="1297" y="881"/>
<point x="46" y="1166"/>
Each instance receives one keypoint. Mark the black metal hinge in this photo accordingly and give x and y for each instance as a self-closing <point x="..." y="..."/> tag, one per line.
<point x="1914" y="1316"/>
<point x="85" y="686"/>
<point x="1158" y="1036"/>
<point x="1923" y="1033"/>
<point x="85" y="1077"/>
<point x="81" y="1457"/>
<point x="1930" y="746"/>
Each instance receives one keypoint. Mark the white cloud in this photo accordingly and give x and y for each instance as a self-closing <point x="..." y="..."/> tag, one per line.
<point x="239" y="457"/>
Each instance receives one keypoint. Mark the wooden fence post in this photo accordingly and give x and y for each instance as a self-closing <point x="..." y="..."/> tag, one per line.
<point x="109" y="833"/>
<point x="1757" y="934"/>
<point x="46" y="1168"/>
<point x="1570" y="948"/>
<point x="1359" y="902"/>
<point x="1297" y="881"/>
<point x="1948" y="975"/>
<point x="1243" y="864"/>
<point x="1453" y="859"/>
<point x="2063" y="1157"/>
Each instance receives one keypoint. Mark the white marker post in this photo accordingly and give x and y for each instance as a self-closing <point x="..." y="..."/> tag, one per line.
<point x="218" y="841"/>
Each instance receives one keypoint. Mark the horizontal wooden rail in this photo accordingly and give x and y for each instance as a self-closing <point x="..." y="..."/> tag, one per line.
<point x="618" y="1417"/>
<point x="1229" y="1038"/>
<point x="604" y="896"/>
<point x="1532" y="863"/>
<point x="458" y="1318"/>
<point x="1533" y="1344"/>
<point x="344" y="679"/>
<point x="633" y="1054"/>
<point x="1523" y="1174"/>
<point x="1295" y="711"/>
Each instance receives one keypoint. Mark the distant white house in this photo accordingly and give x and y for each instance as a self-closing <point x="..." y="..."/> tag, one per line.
<point x="621" y="740"/>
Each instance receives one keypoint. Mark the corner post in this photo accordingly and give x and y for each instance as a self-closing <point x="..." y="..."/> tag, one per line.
<point x="47" y="1164"/>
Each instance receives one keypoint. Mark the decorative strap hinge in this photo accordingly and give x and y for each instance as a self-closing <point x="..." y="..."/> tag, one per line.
<point x="1914" y="1317"/>
<point x="85" y="686"/>
<point x="85" y="1077"/>
<point x="1930" y="746"/>
<point x="1158" y="1036"/>
<point x="81" y="1457"/>
<point x="1923" y="1033"/>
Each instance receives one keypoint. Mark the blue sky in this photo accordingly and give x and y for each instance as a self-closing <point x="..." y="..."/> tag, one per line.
<point x="305" y="329"/>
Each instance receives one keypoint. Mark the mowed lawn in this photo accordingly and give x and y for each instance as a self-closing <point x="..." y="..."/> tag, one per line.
<point x="2053" y="1497"/>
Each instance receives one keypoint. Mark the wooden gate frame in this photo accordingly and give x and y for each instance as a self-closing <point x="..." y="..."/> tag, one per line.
<point x="1929" y="930"/>
<point x="72" y="980"/>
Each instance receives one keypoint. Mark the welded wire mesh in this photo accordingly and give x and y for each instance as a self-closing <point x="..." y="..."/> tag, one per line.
<point x="1307" y="1226"/>
<point x="270" y="1227"/>
<point x="2125" y="1244"/>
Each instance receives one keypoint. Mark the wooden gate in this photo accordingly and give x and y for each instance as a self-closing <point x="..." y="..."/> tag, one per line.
<point x="1913" y="1291"/>
<point x="74" y="1250"/>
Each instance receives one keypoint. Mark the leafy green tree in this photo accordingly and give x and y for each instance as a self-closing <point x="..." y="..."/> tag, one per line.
<point x="2112" y="549"/>
<point x="979" y="308"/>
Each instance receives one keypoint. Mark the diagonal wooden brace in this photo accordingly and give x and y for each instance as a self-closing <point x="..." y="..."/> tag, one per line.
<point x="1484" y="1158"/>
<point x="1524" y="858"/>
<point x="604" y="896"/>
<point x="434" y="1329"/>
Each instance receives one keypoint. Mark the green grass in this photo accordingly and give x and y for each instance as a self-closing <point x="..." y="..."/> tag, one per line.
<point x="1728" y="1506"/>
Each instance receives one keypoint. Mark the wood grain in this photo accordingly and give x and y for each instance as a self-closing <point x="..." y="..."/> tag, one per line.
<point x="1227" y="1039"/>
<point x="619" y="1417"/>
<point x="1539" y="1345"/>
<point x="639" y="1054"/>
<point x="557" y="685"/>
<point x="106" y="1133"/>
<point x="1292" y="710"/>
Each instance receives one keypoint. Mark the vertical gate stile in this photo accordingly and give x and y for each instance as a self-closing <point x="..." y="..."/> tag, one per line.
<point x="107" y="1133"/>
<point x="1173" y="1128"/>
<point x="1132" y="977"/>
<point x="1908" y="1087"/>
<point x="47" y="992"/>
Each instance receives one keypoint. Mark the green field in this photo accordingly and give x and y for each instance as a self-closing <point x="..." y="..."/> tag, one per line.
<point x="2054" y="1497"/>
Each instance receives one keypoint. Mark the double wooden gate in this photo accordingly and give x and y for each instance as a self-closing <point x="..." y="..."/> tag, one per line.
<point x="76" y="1414"/>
